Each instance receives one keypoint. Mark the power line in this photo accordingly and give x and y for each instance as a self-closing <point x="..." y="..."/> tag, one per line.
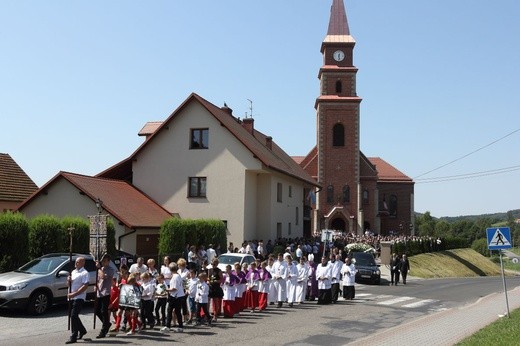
<point x="468" y="175"/>
<point x="473" y="152"/>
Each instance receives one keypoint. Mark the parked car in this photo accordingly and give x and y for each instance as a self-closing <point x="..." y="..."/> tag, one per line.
<point x="42" y="282"/>
<point x="367" y="268"/>
<point x="232" y="258"/>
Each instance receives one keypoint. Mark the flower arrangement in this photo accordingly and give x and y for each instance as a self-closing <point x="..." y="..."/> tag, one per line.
<point x="359" y="247"/>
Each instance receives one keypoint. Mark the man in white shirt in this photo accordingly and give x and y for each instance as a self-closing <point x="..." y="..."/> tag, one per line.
<point x="138" y="268"/>
<point x="78" y="282"/>
<point x="211" y="253"/>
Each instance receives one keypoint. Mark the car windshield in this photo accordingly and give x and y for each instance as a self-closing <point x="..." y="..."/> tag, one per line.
<point x="41" y="265"/>
<point x="229" y="259"/>
<point x="365" y="260"/>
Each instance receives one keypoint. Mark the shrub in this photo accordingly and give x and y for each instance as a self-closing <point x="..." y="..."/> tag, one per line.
<point x="481" y="246"/>
<point x="175" y="233"/>
<point x="45" y="236"/>
<point x="14" y="235"/>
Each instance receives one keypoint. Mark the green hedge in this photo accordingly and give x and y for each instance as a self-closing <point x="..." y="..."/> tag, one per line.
<point x="175" y="233"/>
<point x="424" y="245"/>
<point x="46" y="236"/>
<point x="14" y="237"/>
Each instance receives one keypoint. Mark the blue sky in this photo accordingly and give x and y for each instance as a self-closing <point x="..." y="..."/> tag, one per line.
<point x="439" y="80"/>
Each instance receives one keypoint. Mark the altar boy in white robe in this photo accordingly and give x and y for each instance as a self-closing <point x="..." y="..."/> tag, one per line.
<point x="324" y="275"/>
<point x="279" y="280"/>
<point x="301" y="282"/>
<point x="292" y="280"/>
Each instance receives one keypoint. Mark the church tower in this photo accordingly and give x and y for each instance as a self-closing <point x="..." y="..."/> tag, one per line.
<point x="338" y="204"/>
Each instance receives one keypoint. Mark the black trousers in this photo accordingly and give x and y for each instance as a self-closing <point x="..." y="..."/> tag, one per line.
<point x="75" y="323"/>
<point x="203" y="307"/>
<point x="394" y="276"/>
<point x="349" y="292"/>
<point x="160" y="305"/>
<point x="147" y="313"/>
<point x="174" y="303"/>
<point x="102" y="313"/>
<point x="404" y="274"/>
<point x="335" y="291"/>
<point x="324" y="296"/>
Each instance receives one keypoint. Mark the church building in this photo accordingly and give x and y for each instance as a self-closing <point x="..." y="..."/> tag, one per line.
<point x="357" y="193"/>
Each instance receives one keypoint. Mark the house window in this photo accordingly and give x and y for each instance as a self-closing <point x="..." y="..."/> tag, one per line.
<point x="296" y="221"/>
<point x="346" y="194"/>
<point x="338" y="135"/>
<point x="199" y="138"/>
<point x="392" y="205"/>
<point x="197" y="187"/>
<point x="339" y="87"/>
<point x="290" y="191"/>
<point x="289" y="229"/>
<point x="330" y="194"/>
<point x="278" y="230"/>
<point x="365" y="196"/>
<point x="279" y="192"/>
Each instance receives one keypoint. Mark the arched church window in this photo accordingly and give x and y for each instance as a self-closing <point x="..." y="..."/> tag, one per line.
<point x="392" y="207"/>
<point x="346" y="194"/>
<point x="339" y="87"/>
<point x="338" y="135"/>
<point x="330" y="194"/>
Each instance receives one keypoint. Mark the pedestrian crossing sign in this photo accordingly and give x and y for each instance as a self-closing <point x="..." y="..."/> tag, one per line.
<point x="499" y="238"/>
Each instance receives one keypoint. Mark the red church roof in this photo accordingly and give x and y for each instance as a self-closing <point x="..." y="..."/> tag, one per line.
<point x="388" y="173"/>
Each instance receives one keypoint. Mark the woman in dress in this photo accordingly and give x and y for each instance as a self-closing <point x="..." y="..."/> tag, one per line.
<point x="215" y="291"/>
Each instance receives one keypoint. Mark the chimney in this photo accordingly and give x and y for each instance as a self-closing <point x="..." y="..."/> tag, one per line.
<point x="226" y="109"/>
<point x="269" y="142"/>
<point x="248" y="124"/>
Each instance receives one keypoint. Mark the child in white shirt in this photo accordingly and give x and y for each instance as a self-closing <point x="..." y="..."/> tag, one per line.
<point x="148" y="286"/>
<point x="193" y="282"/>
<point x="201" y="299"/>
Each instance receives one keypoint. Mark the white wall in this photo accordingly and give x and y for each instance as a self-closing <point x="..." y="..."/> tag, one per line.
<point x="163" y="167"/>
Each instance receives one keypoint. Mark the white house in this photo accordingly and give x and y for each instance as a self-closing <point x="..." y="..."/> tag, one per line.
<point x="201" y="162"/>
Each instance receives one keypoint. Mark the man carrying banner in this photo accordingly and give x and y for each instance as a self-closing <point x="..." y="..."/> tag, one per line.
<point x="78" y="282"/>
<point x="104" y="284"/>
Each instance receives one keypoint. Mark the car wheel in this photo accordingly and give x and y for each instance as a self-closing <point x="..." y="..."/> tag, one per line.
<point x="39" y="303"/>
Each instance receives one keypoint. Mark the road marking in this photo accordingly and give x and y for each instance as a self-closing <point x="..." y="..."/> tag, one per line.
<point x="420" y="303"/>
<point x="395" y="300"/>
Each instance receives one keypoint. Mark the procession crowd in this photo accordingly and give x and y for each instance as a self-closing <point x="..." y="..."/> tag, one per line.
<point x="194" y="290"/>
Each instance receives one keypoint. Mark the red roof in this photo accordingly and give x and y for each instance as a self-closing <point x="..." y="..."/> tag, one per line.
<point x="15" y="184"/>
<point x="122" y="200"/>
<point x="388" y="173"/>
<point x="274" y="158"/>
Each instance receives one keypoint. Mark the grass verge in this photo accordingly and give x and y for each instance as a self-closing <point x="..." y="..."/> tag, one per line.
<point x="505" y="331"/>
<point x="452" y="263"/>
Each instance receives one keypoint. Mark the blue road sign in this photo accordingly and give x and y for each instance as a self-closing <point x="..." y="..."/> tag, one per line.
<point x="499" y="238"/>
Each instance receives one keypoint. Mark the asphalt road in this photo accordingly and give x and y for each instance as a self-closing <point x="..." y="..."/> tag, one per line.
<point x="375" y="308"/>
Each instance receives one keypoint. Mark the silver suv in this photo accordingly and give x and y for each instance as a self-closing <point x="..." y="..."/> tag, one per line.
<point x="42" y="282"/>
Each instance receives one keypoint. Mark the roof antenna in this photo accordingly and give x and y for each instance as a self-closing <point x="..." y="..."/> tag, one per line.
<point x="250" y="108"/>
